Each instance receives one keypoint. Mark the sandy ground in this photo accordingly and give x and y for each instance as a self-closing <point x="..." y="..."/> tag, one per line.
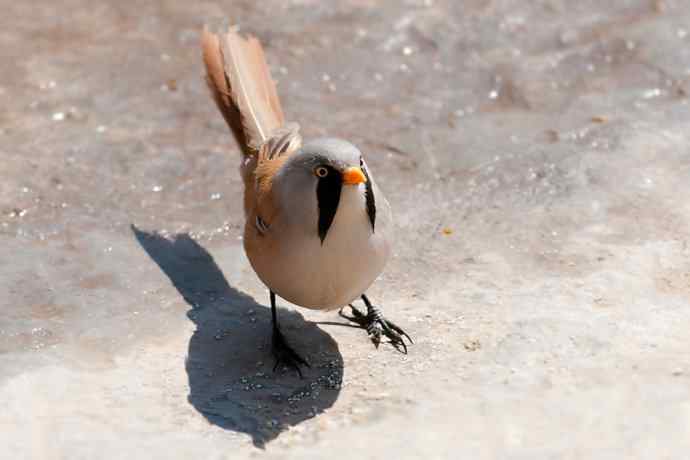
<point x="537" y="157"/>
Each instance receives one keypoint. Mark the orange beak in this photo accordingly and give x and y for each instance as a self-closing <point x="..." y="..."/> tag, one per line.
<point x="353" y="176"/>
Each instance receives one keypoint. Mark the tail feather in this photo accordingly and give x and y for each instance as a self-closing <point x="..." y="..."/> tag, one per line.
<point x="241" y="85"/>
<point x="220" y="88"/>
<point x="266" y="86"/>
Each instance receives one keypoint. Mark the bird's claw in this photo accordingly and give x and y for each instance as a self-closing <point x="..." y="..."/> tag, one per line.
<point x="377" y="326"/>
<point x="284" y="354"/>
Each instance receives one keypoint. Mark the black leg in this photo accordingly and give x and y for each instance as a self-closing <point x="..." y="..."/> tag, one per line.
<point x="282" y="352"/>
<point x="377" y="325"/>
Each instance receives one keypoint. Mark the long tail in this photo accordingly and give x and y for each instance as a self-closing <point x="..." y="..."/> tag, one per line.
<point x="241" y="85"/>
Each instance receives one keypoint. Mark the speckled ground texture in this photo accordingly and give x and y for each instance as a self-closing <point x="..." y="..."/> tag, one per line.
<point x="536" y="155"/>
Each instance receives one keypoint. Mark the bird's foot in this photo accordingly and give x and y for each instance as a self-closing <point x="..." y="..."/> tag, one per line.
<point x="284" y="354"/>
<point x="377" y="326"/>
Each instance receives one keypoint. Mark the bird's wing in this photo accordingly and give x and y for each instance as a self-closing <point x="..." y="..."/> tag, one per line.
<point x="284" y="141"/>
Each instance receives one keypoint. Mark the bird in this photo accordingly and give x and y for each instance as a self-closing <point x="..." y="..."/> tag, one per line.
<point x="318" y="229"/>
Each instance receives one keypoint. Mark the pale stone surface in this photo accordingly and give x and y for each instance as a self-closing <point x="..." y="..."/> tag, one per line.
<point x="536" y="155"/>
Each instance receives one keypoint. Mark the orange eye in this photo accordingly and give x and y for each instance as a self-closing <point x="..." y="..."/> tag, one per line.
<point x="321" y="171"/>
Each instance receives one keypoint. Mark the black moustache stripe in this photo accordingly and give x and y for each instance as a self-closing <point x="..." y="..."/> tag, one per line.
<point x="328" y="197"/>
<point x="371" y="200"/>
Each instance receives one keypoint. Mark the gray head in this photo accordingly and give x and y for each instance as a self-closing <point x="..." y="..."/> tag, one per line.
<point x="319" y="174"/>
<point x="336" y="152"/>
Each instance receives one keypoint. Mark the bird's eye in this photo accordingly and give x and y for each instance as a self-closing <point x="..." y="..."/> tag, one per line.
<point x="321" y="171"/>
<point x="361" y="162"/>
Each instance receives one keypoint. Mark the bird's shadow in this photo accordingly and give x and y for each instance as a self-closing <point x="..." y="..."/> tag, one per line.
<point x="229" y="362"/>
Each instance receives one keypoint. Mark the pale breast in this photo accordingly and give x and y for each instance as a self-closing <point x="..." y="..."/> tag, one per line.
<point x="297" y="267"/>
